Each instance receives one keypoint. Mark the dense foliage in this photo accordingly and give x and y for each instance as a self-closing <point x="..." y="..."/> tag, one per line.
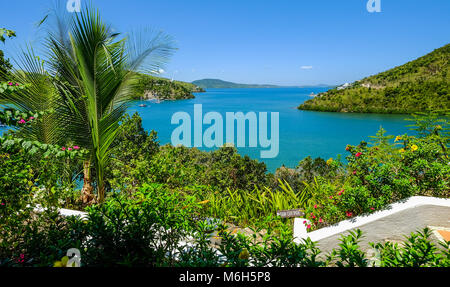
<point x="156" y="227"/>
<point x="161" y="218"/>
<point x="177" y="206"/>
<point x="382" y="172"/>
<point x="151" y="87"/>
<point x="418" y="86"/>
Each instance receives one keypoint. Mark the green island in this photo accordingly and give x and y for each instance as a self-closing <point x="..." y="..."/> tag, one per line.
<point x="149" y="87"/>
<point x="418" y="86"/>
<point x="72" y="145"/>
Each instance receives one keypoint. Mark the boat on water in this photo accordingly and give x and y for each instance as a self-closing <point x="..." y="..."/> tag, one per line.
<point x="142" y="105"/>
<point x="312" y="95"/>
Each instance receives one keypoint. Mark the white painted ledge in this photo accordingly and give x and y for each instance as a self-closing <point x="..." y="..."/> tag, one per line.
<point x="343" y="226"/>
<point x="66" y="212"/>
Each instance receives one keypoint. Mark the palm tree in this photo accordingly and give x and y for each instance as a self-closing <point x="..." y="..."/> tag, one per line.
<point x="88" y="85"/>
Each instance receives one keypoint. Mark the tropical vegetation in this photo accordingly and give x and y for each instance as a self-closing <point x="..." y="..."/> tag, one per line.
<point x="152" y="87"/>
<point x="73" y="145"/>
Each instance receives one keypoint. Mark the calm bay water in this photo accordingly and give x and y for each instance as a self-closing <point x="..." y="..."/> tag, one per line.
<point x="302" y="133"/>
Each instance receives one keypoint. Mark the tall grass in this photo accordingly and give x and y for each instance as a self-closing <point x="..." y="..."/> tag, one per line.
<point x="244" y="207"/>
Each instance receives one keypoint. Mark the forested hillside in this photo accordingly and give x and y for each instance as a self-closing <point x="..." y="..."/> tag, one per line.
<point x="149" y="87"/>
<point x="418" y="86"/>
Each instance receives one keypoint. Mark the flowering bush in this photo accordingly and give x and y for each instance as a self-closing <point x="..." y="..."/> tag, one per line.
<point x="382" y="172"/>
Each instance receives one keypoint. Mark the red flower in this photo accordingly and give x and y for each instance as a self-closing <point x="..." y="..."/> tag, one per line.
<point x="320" y="220"/>
<point x="347" y="148"/>
<point x="63" y="149"/>
<point x="309" y="226"/>
<point x="349" y="214"/>
<point x="372" y="208"/>
<point x="331" y="197"/>
<point x="354" y="172"/>
<point x="315" y="206"/>
<point x="358" y="154"/>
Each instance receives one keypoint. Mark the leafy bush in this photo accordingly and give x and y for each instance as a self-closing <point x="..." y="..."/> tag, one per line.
<point x="142" y="230"/>
<point x="382" y="172"/>
<point x="132" y="151"/>
<point x="418" y="251"/>
<point x="222" y="168"/>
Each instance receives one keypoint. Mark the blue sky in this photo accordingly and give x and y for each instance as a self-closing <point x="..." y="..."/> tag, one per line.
<point x="285" y="42"/>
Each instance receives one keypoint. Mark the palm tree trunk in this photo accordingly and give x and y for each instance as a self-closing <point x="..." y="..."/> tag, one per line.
<point x="101" y="193"/>
<point x="86" y="193"/>
<point x="101" y="190"/>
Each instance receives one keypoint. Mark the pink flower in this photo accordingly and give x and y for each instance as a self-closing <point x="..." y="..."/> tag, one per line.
<point x="76" y="147"/>
<point x="314" y="217"/>
<point x="10" y="84"/>
<point x="358" y="154"/>
<point x="69" y="149"/>
<point x="2" y="203"/>
<point x="22" y="121"/>
<point x="63" y="149"/>
<point x="354" y="172"/>
<point x="341" y="192"/>
<point x="17" y="85"/>
<point x="320" y="220"/>
<point x="309" y="226"/>
<point x="315" y="206"/>
<point x="372" y="208"/>
<point x="331" y="197"/>
<point x="304" y="222"/>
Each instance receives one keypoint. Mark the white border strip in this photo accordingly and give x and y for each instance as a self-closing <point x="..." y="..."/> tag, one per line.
<point x="66" y="212"/>
<point x="343" y="226"/>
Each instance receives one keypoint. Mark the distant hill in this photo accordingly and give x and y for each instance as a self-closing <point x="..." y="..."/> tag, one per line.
<point x="219" y="84"/>
<point x="418" y="86"/>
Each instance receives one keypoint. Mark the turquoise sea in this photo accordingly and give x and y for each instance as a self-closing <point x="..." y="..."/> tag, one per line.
<point x="302" y="133"/>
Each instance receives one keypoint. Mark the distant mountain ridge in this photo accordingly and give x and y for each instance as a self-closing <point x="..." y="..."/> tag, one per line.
<point x="220" y="84"/>
<point x="420" y="85"/>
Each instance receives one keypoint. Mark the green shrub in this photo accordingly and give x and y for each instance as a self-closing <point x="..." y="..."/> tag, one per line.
<point x="142" y="230"/>
<point x="385" y="171"/>
<point x="417" y="251"/>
